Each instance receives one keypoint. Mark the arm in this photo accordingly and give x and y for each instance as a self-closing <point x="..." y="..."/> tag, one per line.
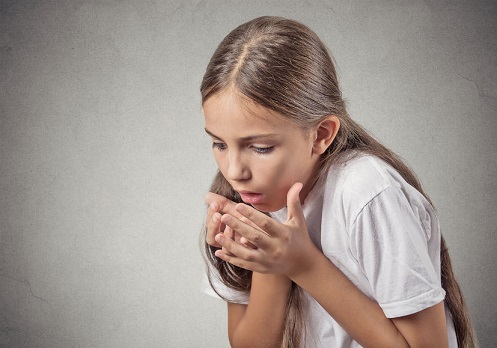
<point x="261" y="322"/>
<point x="430" y="322"/>
<point x="287" y="249"/>
<point x="363" y="318"/>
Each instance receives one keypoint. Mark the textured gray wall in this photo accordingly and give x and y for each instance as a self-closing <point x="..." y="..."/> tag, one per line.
<point x="103" y="160"/>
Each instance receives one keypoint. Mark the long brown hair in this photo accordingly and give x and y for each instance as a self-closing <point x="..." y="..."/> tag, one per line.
<point x="282" y="65"/>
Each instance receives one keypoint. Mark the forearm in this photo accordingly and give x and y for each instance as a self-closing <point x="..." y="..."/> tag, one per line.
<point x="262" y="323"/>
<point x="285" y="248"/>
<point x="360" y="316"/>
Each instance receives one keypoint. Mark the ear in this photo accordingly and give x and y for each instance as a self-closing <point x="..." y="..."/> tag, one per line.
<point x="325" y="133"/>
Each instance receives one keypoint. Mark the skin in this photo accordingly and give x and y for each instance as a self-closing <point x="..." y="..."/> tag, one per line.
<point x="257" y="150"/>
<point x="279" y="253"/>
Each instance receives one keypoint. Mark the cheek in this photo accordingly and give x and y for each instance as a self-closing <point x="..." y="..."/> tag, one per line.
<point x="280" y="176"/>
<point x="286" y="173"/>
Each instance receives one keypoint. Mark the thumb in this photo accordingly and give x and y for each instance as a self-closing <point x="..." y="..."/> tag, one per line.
<point x="295" y="213"/>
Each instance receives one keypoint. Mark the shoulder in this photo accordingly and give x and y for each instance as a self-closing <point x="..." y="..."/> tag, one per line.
<point x="364" y="172"/>
<point x="362" y="178"/>
<point x="353" y="184"/>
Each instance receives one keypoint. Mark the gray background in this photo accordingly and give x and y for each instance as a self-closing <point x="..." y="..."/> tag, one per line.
<point x="104" y="163"/>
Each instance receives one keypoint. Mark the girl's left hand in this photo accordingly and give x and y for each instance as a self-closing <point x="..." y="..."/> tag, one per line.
<point x="280" y="247"/>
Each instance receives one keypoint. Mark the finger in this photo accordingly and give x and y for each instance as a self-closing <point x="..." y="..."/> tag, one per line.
<point x="228" y="232"/>
<point x="212" y="225"/>
<point x="237" y="255"/>
<point x="247" y="221"/>
<point x="263" y="222"/>
<point x="224" y="204"/>
<point x="253" y="235"/>
<point x="216" y="219"/>
<point x="230" y="247"/>
<point x="226" y="251"/>
<point x="295" y="213"/>
<point x="237" y="261"/>
<point x="245" y="242"/>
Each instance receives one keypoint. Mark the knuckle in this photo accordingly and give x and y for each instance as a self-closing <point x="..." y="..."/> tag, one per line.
<point x="258" y="238"/>
<point x="266" y="224"/>
<point x="248" y="257"/>
<point x="225" y="205"/>
<point x="234" y="223"/>
<point x="278" y="253"/>
<point x="286" y="238"/>
<point x="239" y="263"/>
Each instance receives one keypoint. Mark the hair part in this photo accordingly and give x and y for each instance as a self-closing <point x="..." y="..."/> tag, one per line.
<point x="282" y="65"/>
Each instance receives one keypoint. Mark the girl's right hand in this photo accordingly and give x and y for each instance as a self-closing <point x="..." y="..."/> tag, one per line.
<point x="217" y="206"/>
<point x="279" y="247"/>
<point x="213" y="222"/>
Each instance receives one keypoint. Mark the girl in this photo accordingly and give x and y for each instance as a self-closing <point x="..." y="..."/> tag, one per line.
<point x="336" y="245"/>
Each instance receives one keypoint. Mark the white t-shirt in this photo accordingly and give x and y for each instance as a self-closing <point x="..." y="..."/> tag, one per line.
<point x="381" y="233"/>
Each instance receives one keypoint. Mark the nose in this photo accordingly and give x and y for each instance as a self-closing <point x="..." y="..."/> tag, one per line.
<point x="237" y="168"/>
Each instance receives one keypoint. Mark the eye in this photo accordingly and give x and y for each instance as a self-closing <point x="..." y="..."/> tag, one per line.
<point x="219" y="146"/>
<point x="263" y="150"/>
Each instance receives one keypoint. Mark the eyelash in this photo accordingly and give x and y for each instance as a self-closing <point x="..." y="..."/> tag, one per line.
<point x="219" y="146"/>
<point x="258" y="150"/>
<point x="263" y="150"/>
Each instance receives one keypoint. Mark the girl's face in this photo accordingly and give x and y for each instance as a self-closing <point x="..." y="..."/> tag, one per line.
<point x="260" y="153"/>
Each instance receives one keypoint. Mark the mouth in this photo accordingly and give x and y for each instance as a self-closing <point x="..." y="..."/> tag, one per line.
<point x="251" y="197"/>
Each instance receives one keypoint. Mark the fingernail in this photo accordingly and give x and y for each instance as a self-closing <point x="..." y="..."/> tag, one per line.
<point x="227" y="220"/>
<point x="219" y="238"/>
<point x="216" y="217"/>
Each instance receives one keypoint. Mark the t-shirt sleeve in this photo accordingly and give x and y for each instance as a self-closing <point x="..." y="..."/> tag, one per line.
<point x="398" y="250"/>
<point x="216" y="288"/>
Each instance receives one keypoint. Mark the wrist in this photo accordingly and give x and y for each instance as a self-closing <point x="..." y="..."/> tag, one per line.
<point x="274" y="279"/>
<point x="308" y="261"/>
<point x="271" y="283"/>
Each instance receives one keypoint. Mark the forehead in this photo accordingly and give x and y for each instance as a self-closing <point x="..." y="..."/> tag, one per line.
<point x="230" y="110"/>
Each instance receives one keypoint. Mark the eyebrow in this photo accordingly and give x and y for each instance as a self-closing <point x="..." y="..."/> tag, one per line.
<point x="246" y="138"/>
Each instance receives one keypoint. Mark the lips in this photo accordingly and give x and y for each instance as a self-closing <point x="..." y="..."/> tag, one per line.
<point x="251" y="197"/>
